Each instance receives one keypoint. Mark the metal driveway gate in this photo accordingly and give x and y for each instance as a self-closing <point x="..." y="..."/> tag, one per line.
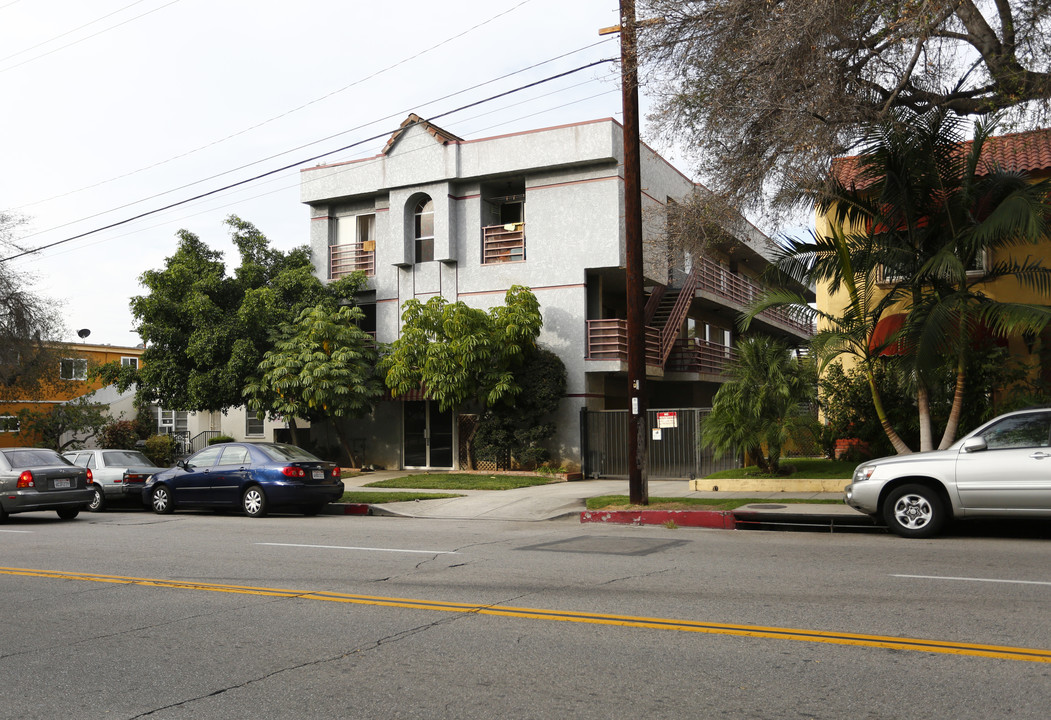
<point x="677" y="454"/>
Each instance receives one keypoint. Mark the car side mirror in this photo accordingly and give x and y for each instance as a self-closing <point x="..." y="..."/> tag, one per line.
<point x="974" y="444"/>
<point x="183" y="464"/>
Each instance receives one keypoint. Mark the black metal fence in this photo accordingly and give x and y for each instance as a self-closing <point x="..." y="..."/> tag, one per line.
<point x="674" y="452"/>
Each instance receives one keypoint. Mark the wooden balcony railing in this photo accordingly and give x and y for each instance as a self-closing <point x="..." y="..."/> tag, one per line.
<point x="714" y="279"/>
<point x="608" y="340"/>
<point x="351" y="257"/>
<point x="700" y="356"/>
<point x="503" y="243"/>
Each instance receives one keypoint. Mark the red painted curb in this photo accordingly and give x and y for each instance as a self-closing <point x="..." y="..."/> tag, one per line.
<point x="353" y="508"/>
<point x="718" y="519"/>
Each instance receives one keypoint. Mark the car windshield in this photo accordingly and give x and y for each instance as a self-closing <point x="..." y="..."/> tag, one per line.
<point x="119" y="458"/>
<point x="283" y="453"/>
<point x="34" y="457"/>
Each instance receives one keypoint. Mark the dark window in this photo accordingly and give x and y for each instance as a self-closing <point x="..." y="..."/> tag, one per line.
<point x="253" y="425"/>
<point x="73" y="369"/>
<point x="423" y="231"/>
<point x="1020" y="431"/>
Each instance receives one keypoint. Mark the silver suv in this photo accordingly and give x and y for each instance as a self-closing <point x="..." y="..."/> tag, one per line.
<point x="1001" y="469"/>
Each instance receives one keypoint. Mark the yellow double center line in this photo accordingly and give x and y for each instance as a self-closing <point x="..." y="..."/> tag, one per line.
<point x="757" y="631"/>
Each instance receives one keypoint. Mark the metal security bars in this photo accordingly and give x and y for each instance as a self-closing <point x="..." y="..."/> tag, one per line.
<point x="677" y="454"/>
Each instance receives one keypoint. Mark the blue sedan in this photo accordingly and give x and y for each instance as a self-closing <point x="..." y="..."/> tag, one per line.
<point x="249" y="476"/>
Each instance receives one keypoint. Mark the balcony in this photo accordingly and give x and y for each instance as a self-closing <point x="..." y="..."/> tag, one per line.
<point x="503" y="243"/>
<point x="700" y="356"/>
<point x="714" y="279"/>
<point x="352" y="257"/>
<point x="608" y="340"/>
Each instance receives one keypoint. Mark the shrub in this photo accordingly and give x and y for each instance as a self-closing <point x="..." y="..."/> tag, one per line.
<point x="220" y="439"/>
<point x="120" y="434"/>
<point x="160" y="449"/>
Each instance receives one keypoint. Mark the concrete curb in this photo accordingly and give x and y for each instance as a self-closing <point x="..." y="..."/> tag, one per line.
<point x="767" y="485"/>
<point x="346" y="509"/>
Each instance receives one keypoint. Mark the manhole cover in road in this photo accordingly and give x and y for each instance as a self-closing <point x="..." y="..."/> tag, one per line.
<point x="766" y="507"/>
<point x="607" y="545"/>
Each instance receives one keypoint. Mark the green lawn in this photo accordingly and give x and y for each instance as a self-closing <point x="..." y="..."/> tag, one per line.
<point x="367" y="497"/>
<point x="622" y="502"/>
<point x="458" y="481"/>
<point x="804" y="468"/>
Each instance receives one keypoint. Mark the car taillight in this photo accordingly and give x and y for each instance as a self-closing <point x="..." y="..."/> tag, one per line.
<point x="25" y="480"/>
<point x="293" y="472"/>
<point x="91" y="478"/>
<point x="336" y="472"/>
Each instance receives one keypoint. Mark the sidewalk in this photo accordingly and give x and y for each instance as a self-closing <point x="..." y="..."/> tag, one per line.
<point x="567" y="499"/>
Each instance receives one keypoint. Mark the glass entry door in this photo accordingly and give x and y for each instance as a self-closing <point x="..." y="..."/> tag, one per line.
<point x="428" y="435"/>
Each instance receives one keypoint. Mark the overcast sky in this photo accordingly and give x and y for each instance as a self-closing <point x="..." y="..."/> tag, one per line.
<point x="114" y="108"/>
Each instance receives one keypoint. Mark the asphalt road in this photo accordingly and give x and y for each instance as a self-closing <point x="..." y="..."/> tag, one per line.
<point x="132" y="615"/>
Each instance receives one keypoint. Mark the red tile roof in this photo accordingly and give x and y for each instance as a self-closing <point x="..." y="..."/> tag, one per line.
<point x="1026" y="152"/>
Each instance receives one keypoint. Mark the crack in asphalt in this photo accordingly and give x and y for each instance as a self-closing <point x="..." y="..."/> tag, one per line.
<point x="369" y="647"/>
<point x="95" y="638"/>
<point x="634" y="577"/>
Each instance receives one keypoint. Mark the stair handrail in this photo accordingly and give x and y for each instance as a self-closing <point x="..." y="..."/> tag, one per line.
<point x="670" y="331"/>
<point x="652" y="303"/>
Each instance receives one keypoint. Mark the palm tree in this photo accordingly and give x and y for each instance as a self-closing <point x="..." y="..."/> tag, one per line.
<point x="920" y="214"/>
<point x="754" y="408"/>
<point x="827" y="259"/>
<point x="933" y="213"/>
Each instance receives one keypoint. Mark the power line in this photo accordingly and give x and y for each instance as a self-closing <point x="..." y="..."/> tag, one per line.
<point x="68" y="32"/>
<point x="300" y="147"/>
<point x="281" y="115"/>
<point x="87" y="37"/>
<point x="297" y="163"/>
<point x="284" y="188"/>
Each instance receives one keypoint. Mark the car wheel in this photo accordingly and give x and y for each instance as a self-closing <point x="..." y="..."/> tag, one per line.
<point x="253" y="502"/>
<point x="98" y="500"/>
<point x="3" y="514"/>
<point x="161" y="500"/>
<point x="68" y="513"/>
<point x="914" y="511"/>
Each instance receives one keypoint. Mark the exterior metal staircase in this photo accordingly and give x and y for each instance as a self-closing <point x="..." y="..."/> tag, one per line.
<point x="665" y="310"/>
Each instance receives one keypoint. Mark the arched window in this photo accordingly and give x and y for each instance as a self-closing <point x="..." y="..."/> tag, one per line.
<point x="424" y="230"/>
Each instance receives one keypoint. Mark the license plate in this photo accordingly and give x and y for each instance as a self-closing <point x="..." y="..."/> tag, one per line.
<point x="317" y="474"/>
<point x="62" y="483"/>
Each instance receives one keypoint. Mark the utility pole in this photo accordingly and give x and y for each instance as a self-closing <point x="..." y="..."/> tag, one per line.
<point x="638" y="484"/>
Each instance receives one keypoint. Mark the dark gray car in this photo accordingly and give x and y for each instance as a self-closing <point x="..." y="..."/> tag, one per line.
<point x="40" y="479"/>
<point x="1001" y="469"/>
<point x="118" y="474"/>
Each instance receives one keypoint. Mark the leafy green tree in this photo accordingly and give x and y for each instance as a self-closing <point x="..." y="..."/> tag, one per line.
<point x="457" y="353"/>
<point x="323" y="367"/>
<point x="521" y="428"/>
<point x="753" y="411"/>
<point x="206" y="331"/>
<point x="64" y="425"/>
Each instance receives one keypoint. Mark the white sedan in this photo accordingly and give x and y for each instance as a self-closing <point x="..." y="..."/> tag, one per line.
<point x="118" y="474"/>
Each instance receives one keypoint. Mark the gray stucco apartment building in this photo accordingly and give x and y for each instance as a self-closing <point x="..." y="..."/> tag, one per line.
<point x="466" y="219"/>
